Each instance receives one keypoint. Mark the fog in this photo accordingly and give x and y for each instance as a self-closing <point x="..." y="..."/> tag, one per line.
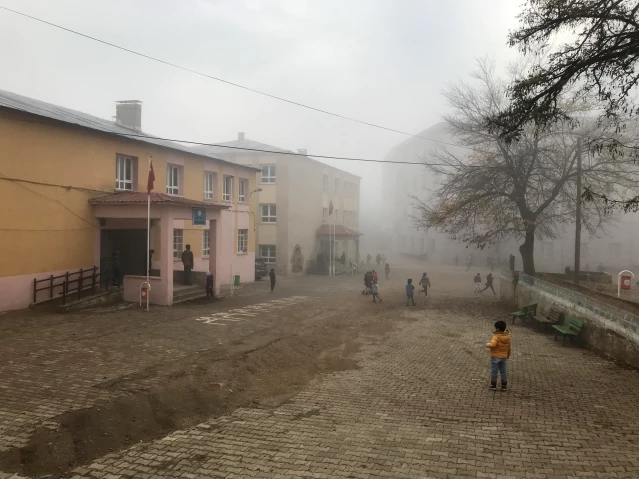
<point x="377" y="61"/>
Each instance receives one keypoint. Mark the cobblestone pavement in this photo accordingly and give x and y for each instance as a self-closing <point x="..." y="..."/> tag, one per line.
<point x="51" y="364"/>
<point x="419" y="407"/>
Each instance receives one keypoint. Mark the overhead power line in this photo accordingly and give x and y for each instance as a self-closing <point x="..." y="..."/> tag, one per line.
<point x="228" y="82"/>
<point x="258" y="150"/>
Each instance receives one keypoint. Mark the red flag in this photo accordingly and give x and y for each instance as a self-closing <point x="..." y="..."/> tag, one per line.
<point x="149" y="184"/>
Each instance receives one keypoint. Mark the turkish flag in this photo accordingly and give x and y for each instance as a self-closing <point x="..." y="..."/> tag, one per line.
<point x="149" y="184"/>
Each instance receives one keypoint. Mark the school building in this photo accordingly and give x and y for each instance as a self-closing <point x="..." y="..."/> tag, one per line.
<point x="293" y="200"/>
<point x="74" y="191"/>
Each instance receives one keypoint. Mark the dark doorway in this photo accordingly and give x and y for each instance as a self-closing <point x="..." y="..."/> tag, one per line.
<point x="132" y="247"/>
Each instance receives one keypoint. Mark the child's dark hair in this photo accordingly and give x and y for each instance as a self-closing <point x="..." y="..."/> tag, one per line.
<point x="500" y="326"/>
<point x="410" y="280"/>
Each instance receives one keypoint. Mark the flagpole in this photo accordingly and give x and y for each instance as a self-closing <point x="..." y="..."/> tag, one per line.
<point x="148" y="240"/>
<point x="333" y="243"/>
<point x="330" y="241"/>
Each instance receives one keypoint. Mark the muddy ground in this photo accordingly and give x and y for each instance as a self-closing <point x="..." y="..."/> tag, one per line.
<point x="263" y="370"/>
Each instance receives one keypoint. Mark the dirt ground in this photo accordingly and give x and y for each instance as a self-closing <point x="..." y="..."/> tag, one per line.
<point x="80" y="387"/>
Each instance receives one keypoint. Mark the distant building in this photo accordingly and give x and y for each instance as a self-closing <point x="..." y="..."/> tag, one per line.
<point x="403" y="183"/>
<point x="616" y="248"/>
<point x="293" y="205"/>
<point x="73" y="190"/>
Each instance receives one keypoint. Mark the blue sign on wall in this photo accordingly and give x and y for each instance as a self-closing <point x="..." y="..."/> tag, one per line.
<point x="199" y="217"/>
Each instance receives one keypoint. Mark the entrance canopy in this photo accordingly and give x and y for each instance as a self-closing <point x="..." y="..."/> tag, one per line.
<point x="327" y="230"/>
<point x="128" y="210"/>
<point x="138" y="199"/>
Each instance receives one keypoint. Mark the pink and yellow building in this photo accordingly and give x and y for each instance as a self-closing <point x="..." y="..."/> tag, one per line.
<point x="73" y="190"/>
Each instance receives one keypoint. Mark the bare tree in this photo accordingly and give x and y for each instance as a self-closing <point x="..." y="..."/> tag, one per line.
<point x="601" y="57"/>
<point x="495" y="189"/>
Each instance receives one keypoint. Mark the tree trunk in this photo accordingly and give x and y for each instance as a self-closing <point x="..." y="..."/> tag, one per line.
<point x="527" y="250"/>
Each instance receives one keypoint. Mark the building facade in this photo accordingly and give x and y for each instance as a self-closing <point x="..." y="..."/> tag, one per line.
<point x="74" y="190"/>
<point x="402" y="184"/>
<point x="293" y="206"/>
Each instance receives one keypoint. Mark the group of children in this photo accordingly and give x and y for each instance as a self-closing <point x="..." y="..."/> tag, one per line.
<point x="371" y="286"/>
<point x="499" y="345"/>
<point x="424" y="282"/>
<point x="489" y="283"/>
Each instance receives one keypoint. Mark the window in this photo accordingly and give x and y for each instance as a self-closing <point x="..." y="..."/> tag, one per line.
<point x="124" y="172"/>
<point x="173" y="180"/>
<point x="324" y="213"/>
<point x="269" y="213"/>
<point x="209" y="185"/>
<point x="336" y="184"/>
<point x="242" y="191"/>
<point x="242" y="241"/>
<point x="227" y="192"/>
<point x="325" y="182"/>
<point x="268" y="174"/>
<point x="267" y="253"/>
<point x="178" y="242"/>
<point x="206" y="243"/>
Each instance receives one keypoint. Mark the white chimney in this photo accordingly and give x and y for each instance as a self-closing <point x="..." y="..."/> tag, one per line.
<point x="240" y="136"/>
<point x="129" y="114"/>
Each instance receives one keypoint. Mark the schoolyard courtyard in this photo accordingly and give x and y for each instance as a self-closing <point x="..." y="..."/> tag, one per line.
<point x="314" y="380"/>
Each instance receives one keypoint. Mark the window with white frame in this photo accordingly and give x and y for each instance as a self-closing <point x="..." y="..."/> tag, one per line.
<point x="336" y="184"/>
<point x="178" y="243"/>
<point x="324" y="214"/>
<point x="124" y="172"/>
<point x="325" y="183"/>
<point x="242" y="190"/>
<point x="173" y="180"/>
<point x="209" y="185"/>
<point x="267" y="253"/>
<point x="227" y="191"/>
<point x="242" y="241"/>
<point x="206" y="243"/>
<point x="268" y="174"/>
<point x="269" y="213"/>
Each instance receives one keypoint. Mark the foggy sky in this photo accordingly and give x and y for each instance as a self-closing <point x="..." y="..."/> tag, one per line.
<point x="382" y="61"/>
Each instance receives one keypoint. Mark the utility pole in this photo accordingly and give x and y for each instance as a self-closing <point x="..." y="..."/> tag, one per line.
<point x="578" y="219"/>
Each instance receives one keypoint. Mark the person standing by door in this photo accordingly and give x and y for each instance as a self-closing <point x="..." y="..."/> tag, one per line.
<point x="272" y="276"/>
<point x="209" y="285"/>
<point x="117" y="269"/>
<point x="187" y="261"/>
<point x="151" y="251"/>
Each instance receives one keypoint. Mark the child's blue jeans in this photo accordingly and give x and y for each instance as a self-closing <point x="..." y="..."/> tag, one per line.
<point x="498" y="365"/>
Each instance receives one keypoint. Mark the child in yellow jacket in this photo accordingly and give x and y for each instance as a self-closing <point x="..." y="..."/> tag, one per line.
<point x="499" y="347"/>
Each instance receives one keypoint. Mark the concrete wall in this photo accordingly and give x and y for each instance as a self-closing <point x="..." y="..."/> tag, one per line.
<point x="608" y="329"/>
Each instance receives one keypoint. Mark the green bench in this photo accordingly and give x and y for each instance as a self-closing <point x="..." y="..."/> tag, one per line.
<point x="526" y="312"/>
<point x="553" y="317"/>
<point x="571" y="328"/>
